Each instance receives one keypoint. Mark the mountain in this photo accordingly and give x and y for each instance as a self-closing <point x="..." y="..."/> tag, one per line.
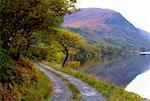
<point x="107" y="27"/>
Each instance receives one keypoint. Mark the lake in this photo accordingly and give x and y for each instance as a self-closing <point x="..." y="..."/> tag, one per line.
<point x="141" y="85"/>
<point x="130" y="71"/>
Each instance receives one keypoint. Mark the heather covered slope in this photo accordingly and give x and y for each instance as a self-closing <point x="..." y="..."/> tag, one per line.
<point x="103" y="26"/>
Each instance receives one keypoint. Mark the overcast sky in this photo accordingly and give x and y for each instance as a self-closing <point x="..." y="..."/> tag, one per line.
<point x="135" y="11"/>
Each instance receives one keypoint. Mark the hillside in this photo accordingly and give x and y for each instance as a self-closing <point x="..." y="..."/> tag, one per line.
<point x="103" y="26"/>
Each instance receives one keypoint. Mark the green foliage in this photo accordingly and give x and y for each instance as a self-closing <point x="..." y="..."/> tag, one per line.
<point x="7" y="66"/>
<point x="22" y="25"/>
<point x="122" y="37"/>
<point x="69" y="41"/>
<point x="31" y="29"/>
<point x="20" y="19"/>
<point x="110" y="50"/>
<point x="65" y="46"/>
<point x="86" y="52"/>
<point x="27" y="30"/>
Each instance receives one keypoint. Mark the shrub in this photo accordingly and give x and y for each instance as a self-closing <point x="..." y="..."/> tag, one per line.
<point x="7" y="68"/>
<point x="73" y="64"/>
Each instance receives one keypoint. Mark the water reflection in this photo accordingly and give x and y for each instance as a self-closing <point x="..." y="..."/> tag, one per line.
<point x="140" y="85"/>
<point x="121" y="72"/>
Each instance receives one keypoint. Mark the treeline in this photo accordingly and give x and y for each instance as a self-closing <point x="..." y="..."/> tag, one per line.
<point x="30" y="29"/>
<point x="63" y="47"/>
<point x="22" y="21"/>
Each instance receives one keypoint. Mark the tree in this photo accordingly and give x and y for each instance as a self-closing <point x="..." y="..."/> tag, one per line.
<point x="19" y="19"/>
<point x="7" y="69"/>
<point x="21" y="22"/>
<point x="86" y="53"/>
<point x="69" y="41"/>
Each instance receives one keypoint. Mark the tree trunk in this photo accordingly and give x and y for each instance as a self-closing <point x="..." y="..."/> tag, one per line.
<point x="67" y="55"/>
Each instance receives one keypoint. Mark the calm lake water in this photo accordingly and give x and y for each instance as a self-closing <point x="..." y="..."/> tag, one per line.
<point x="140" y="85"/>
<point x="130" y="71"/>
<point x="121" y="71"/>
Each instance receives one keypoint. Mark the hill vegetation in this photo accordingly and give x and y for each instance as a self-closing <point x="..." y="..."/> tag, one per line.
<point x="107" y="27"/>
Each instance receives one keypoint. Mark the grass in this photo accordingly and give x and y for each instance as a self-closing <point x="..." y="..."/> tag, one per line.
<point x="109" y="91"/>
<point x="39" y="91"/>
<point x="75" y="92"/>
<point x="28" y="84"/>
<point x="35" y="91"/>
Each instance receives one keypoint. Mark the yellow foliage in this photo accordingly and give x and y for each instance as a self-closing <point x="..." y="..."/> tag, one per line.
<point x="73" y="64"/>
<point x="69" y="38"/>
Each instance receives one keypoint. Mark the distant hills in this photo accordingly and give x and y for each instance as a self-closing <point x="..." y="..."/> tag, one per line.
<point x="107" y="27"/>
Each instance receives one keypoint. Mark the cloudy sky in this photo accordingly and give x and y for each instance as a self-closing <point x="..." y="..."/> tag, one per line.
<point x="136" y="11"/>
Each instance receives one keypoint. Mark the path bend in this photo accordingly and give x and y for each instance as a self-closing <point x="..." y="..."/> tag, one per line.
<point x="87" y="93"/>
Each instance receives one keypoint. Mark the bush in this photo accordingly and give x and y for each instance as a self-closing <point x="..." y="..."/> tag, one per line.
<point x="73" y="64"/>
<point x="7" y="68"/>
<point x="27" y="84"/>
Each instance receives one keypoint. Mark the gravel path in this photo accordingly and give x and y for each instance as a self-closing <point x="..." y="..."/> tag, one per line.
<point x="61" y="91"/>
<point x="87" y="93"/>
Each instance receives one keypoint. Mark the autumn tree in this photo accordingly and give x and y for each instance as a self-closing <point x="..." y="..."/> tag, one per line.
<point x="69" y="41"/>
<point x="21" y="24"/>
<point x="19" y="19"/>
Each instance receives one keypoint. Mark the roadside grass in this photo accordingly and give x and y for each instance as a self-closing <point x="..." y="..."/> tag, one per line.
<point x="109" y="91"/>
<point x="29" y="84"/>
<point x="39" y="91"/>
<point x="75" y="92"/>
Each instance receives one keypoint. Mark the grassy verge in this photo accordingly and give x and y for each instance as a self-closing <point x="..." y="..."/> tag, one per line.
<point x="29" y="84"/>
<point x="39" y="91"/>
<point x="75" y="92"/>
<point x="110" y="92"/>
